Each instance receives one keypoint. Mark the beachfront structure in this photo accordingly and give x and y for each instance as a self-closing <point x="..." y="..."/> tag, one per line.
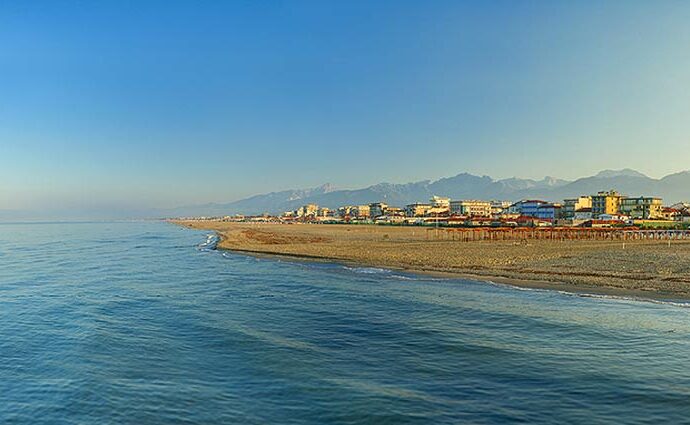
<point x="360" y="211"/>
<point x="345" y="211"/>
<point x="671" y="214"/>
<point x="570" y="206"/>
<point x="548" y="212"/>
<point x="613" y="218"/>
<point x="377" y="209"/>
<point x="527" y="207"/>
<point x="417" y="209"/>
<point x="440" y="202"/>
<point x="472" y="208"/>
<point x="606" y="203"/>
<point x="643" y="207"/>
<point x="582" y="214"/>
<point x="309" y="210"/>
<point x="681" y="206"/>
<point x="499" y="207"/>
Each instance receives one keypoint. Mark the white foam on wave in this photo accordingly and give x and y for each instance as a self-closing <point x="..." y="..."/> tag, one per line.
<point x="210" y="244"/>
<point x="517" y="288"/>
<point x="604" y="297"/>
<point x="367" y="270"/>
<point x="681" y="304"/>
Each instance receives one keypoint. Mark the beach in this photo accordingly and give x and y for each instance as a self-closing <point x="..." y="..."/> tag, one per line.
<point x="654" y="269"/>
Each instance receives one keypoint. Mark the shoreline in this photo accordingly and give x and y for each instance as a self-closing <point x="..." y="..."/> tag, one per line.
<point x="299" y="251"/>
<point x="545" y="285"/>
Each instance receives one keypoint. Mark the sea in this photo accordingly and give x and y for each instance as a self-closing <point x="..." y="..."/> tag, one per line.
<point x="147" y="323"/>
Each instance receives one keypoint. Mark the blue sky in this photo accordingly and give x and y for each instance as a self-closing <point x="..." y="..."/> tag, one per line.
<point x="164" y="103"/>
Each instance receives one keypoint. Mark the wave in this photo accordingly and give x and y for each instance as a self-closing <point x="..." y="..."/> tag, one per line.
<point x="607" y="297"/>
<point x="211" y="243"/>
<point x="683" y="304"/>
<point x="368" y="270"/>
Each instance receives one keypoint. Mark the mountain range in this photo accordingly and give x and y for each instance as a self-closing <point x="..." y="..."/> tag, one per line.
<point x="672" y="188"/>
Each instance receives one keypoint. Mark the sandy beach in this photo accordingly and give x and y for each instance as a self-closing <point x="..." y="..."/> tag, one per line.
<point x="641" y="268"/>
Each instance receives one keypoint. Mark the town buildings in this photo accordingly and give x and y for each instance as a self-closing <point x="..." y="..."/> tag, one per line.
<point x="643" y="207"/>
<point x="440" y="202"/>
<point x="547" y="212"/>
<point x="608" y="208"/>
<point x="377" y="209"/>
<point x="528" y="207"/>
<point x="606" y="203"/>
<point x="360" y="211"/>
<point x="417" y="209"/>
<point x="571" y="206"/>
<point x="499" y="207"/>
<point x="472" y="208"/>
<point x="309" y="210"/>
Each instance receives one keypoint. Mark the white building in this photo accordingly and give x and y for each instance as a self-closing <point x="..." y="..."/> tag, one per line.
<point x="439" y="202"/>
<point x="473" y="208"/>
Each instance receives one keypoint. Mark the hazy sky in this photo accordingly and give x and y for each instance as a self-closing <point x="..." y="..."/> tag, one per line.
<point x="165" y="103"/>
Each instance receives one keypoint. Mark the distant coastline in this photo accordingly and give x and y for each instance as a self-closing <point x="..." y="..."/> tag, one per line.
<point x="644" y="269"/>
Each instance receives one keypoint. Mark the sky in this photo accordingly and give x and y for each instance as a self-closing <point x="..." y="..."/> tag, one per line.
<point x="155" y="104"/>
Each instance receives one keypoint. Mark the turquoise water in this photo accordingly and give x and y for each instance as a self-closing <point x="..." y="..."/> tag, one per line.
<point x="134" y="323"/>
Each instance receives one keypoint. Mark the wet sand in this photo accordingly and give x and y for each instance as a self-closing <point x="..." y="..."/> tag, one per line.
<point x="648" y="269"/>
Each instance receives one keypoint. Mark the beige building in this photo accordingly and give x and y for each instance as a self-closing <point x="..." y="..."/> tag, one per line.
<point x="499" y="207"/>
<point x="606" y="203"/>
<point x="439" y="202"/>
<point x="361" y="211"/>
<point x="570" y="206"/>
<point x="356" y="211"/>
<point x="417" y="209"/>
<point x="395" y="211"/>
<point x="471" y="208"/>
<point x="377" y="209"/>
<point x="643" y="207"/>
<point x="309" y="210"/>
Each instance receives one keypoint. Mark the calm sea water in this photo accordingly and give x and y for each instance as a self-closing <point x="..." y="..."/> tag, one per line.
<point x="134" y="323"/>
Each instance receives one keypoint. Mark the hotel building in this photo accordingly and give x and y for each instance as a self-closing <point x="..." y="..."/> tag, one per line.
<point x="606" y="203"/>
<point x="643" y="207"/>
<point x="472" y="208"/>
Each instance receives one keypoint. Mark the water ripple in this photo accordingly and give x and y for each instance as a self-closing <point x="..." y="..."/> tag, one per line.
<point x="144" y="323"/>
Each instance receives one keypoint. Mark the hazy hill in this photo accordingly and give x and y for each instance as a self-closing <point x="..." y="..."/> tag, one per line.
<point x="672" y="188"/>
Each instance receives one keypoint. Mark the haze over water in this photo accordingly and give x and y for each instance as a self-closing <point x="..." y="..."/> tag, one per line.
<point x="134" y="323"/>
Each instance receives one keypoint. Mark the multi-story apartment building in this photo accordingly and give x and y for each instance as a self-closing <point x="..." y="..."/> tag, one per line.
<point x="309" y="210"/>
<point x="360" y="211"/>
<point x="548" y="212"/>
<point x="345" y="211"/>
<point x="570" y="206"/>
<point x="395" y="211"/>
<point x="439" y="202"/>
<point x="527" y="207"/>
<point x="499" y="207"/>
<point x="417" y="209"/>
<point x="471" y="208"/>
<point x="643" y="207"/>
<point x="377" y="209"/>
<point x="606" y="203"/>
<point x="324" y="212"/>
